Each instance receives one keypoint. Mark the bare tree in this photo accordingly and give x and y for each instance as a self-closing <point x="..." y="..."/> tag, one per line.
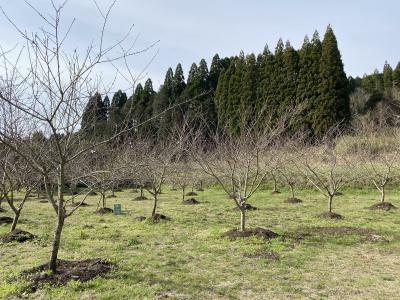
<point x="326" y="170"/>
<point x="44" y="88"/>
<point x="239" y="164"/>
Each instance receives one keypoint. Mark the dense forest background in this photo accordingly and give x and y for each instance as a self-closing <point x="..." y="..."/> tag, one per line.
<point x="252" y="90"/>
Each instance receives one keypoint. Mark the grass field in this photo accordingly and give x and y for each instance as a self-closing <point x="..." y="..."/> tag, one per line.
<point x="186" y="258"/>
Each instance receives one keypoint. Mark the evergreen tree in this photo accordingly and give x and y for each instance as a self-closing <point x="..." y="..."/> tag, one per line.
<point x="396" y="76"/>
<point x="387" y="77"/>
<point x="93" y="114"/>
<point x="333" y="103"/>
<point x="248" y="91"/>
<point x="215" y="71"/>
<point x="308" y="81"/>
<point x="291" y="72"/>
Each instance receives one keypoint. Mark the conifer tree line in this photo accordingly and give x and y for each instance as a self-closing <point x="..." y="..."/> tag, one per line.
<point x="244" y="90"/>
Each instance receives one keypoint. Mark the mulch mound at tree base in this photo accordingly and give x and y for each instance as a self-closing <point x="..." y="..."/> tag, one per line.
<point x="247" y="206"/>
<point x="270" y="255"/>
<point x="191" y="201"/>
<point x="331" y="215"/>
<point x="140" y="219"/>
<point x="81" y="270"/>
<point x="191" y="194"/>
<point x="44" y="201"/>
<point x="275" y="192"/>
<point x="200" y="190"/>
<point x="92" y="193"/>
<point x="259" y="232"/>
<point x="112" y="196"/>
<point x="159" y="217"/>
<point x="173" y="189"/>
<point x="293" y="200"/>
<point x="104" y="210"/>
<point x="140" y="198"/>
<point x="5" y="220"/>
<point x="83" y="204"/>
<point x="17" y="235"/>
<point x="383" y="206"/>
<point x="337" y="194"/>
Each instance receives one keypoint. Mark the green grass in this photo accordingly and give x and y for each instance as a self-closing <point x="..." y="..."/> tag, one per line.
<point x="187" y="259"/>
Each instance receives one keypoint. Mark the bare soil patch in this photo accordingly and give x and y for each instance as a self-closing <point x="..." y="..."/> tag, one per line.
<point x="275" y="192"/>
<point x="293" y="200"/>
<point x="369" y="234"/>
<point x="104" y="210"/>
<point x="140" y="198"/>
<point x="5" y="220"/>
<point x="92" y="193"/>
<point x="270" y="255"/>
<point x="259" y="232"/>
<point x="44" y="201"/>
<point x="17" y="235"/>
<point x="112" y="196"/>
<point x="191" y="201"/>
<point x="81" y="270"/>
<point x="83" y="204"/>
<point x="247" y="206"/>
<point x="159" y="217"/>
<point x="331" y="215"/>
<point x="386" y="206"/>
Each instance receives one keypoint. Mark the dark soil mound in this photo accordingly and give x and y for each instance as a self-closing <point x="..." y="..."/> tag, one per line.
<point x="191" y="201"/>
<point x="259" y="232"/>
<point x="263" y="254"/>
<point x="383" y="206"/>
<point x="191" y="194"/>
<point x="92" y="193"/>
<point x="140" y="198"/>
<point x="83" y="270"/>
<point x="44" y="201"/>
<point x="104" y="210"/>
<point x="140" y="219"/>
<point x="17" y="235"/>
<point x="5" y="220"/>
<point x="112" y="196"/>
<point x="275" y="192"/>
<point x="338" y="194"/>
<point x="83" y="204"/>
<point x="293" y="200"/>
<point x="247" y="206"/>
<point x="159" y="217"/>
<point x="200" y="190"/>
<point x="331" y="215"/>
<point x="174" y="189"/>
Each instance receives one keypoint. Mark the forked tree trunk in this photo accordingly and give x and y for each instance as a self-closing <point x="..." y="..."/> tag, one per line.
<point x="242" y="218"/>
<point x="60" y="220"/>
<point x="154" y="205"/>
<point x="383" y="194"/>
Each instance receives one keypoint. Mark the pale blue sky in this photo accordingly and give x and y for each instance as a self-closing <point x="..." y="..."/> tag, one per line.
<point x="367" y="30"/>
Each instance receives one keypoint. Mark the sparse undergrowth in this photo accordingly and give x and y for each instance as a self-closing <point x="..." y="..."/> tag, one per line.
<point x="157" y="260"/>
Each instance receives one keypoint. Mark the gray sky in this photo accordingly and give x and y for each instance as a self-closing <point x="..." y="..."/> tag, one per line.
<point x="367" y="30"/>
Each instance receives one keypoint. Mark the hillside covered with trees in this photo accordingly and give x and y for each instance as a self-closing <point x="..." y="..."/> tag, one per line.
<point x="250" y="90"/>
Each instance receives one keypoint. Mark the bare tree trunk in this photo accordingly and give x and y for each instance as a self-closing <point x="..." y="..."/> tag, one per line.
<point x="103" y="199"/>
<point x="242" y="218"/>
<point x="275" y="183"/>
<point x="112" y="191"/>
<point x="60" y="221"/>
<point x="183" y="194"/>
<point x="330" y="198"/>
<point x="192" y="188"/>
<point x="154" y="205"/>
<point x="141" y="191"/>
<point x="201" y="185"/>
<point x="17" y="213"/>
<point x="292" y="190"/>
<point x="383" y="194"/>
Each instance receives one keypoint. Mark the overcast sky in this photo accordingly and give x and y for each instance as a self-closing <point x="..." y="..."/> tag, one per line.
<point x="367" y="30"/>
